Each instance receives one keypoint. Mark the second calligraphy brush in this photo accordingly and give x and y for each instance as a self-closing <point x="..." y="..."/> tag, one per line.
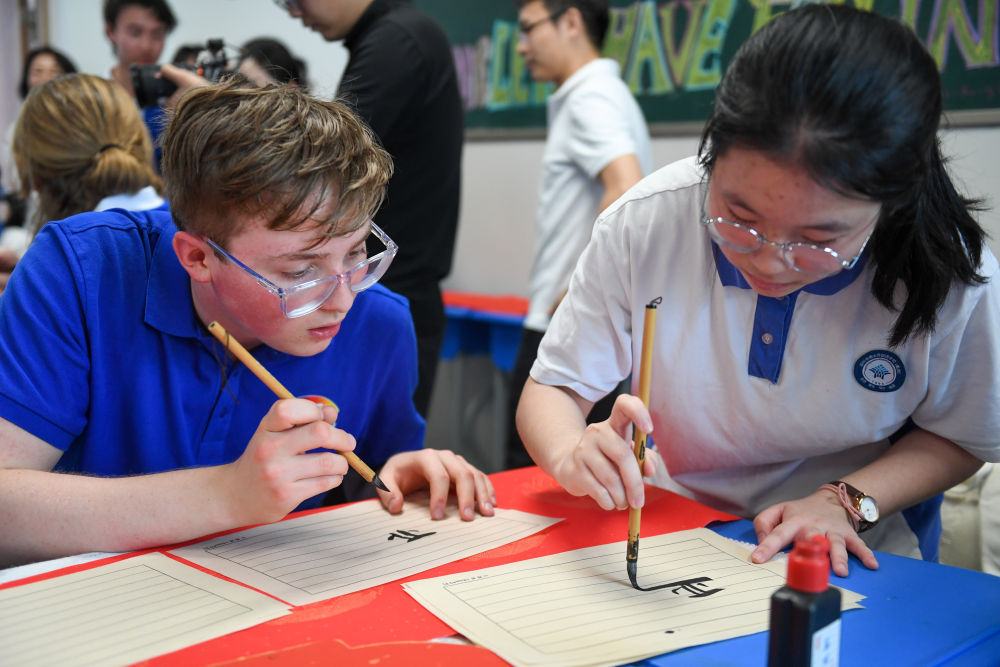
<point x="639" y="440"/>
<point x="272" y="383"/>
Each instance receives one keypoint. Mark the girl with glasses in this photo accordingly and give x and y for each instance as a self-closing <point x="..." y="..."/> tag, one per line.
<point x="827" y="352"/>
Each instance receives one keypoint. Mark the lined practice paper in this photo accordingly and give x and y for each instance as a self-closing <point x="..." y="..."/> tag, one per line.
<point x="578" y="607"/>
<point x="124" y="612"/>
<point x="323" y="555"/>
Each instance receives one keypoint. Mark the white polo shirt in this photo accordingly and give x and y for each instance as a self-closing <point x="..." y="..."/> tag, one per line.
<point x="757" y="400"/>
<point x="593" y="119"/>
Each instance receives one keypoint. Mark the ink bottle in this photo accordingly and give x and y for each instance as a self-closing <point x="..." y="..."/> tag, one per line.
<point x="805" y="612"/>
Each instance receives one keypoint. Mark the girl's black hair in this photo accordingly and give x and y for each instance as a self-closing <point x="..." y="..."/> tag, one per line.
<point x="855" y="99"/>
<point x="65" y="64"/>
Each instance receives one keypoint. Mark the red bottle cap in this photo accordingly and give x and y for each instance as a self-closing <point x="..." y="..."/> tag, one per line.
<point x="809" y="565"/>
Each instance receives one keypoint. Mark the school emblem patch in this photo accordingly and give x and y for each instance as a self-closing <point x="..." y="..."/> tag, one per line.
<point x="880" y="370"/>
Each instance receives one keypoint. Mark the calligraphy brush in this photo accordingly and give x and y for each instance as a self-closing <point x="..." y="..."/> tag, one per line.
<point x="639" y="439"/>
<point x="272" y="383"/>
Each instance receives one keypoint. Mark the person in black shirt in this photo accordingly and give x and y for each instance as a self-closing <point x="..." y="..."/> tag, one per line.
<point x="401" y="80"/>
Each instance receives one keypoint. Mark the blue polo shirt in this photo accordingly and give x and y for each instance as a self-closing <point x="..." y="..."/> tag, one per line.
<point x="103" y="356"/>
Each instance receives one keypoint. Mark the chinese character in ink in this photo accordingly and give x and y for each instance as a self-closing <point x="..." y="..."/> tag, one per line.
<point x="696" y="587"/>
<point x="408" y="535"/>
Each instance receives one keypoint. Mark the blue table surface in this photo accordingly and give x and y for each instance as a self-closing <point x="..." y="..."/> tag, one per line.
<point x="915" y="613"/>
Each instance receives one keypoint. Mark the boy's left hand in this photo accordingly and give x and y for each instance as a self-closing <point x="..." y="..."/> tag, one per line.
<point x="439" y="470"/>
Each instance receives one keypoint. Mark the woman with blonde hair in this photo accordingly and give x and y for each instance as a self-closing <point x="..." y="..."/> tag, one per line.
<point x="81" y="144"/>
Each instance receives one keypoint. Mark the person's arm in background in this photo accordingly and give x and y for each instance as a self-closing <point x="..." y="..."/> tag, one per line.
<point x="185" y="80"/>
<point x="618" y="176"/>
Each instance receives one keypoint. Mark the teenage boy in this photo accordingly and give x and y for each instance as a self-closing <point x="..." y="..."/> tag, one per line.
<point x="124" y="424"/>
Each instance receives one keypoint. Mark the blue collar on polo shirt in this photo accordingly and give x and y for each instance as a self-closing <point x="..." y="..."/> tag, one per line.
<point x="773" y="316"/>
<point x="169" y="307"/>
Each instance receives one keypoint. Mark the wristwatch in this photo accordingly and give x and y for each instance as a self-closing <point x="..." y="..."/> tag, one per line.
<point x="862" y="507"/>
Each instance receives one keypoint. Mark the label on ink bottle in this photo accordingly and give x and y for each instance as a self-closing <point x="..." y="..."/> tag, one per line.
<point x="826" y="646"/>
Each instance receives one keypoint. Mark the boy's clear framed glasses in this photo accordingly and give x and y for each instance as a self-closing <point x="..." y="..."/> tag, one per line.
<point x="289" y="5"/>
<point x="304" y="298"/>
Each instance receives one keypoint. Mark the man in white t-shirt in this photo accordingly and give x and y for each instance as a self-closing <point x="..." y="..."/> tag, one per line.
<point x="597" y="148"/>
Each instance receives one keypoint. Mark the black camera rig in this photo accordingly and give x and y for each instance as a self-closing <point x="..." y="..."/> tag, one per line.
<point x="152" y="89"/>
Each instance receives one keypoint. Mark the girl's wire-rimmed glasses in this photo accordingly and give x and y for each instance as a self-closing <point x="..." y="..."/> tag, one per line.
<point x="806" y="258"/>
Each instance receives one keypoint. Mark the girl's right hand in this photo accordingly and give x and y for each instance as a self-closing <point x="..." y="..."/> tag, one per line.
<point x="603" y="465"/>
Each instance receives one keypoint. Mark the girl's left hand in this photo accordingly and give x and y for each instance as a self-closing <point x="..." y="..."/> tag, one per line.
<point x="781" y="524"/>
<point x="439" y="470"/>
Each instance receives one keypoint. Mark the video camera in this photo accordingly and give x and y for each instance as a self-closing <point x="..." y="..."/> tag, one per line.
<point x="152" y="90"/>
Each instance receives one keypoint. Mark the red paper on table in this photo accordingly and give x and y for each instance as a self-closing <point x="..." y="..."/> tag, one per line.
<point x="385" y="621"/>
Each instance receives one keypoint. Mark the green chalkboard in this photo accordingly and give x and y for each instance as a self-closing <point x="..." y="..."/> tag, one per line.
<point x="673" y="54"/>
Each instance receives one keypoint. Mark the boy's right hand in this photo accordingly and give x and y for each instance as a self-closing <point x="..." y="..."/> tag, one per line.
<point x="275" y="473"/>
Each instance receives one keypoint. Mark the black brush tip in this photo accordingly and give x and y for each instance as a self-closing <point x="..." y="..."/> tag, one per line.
<point x="630" y="565"/>
<point x="379" y="484"/>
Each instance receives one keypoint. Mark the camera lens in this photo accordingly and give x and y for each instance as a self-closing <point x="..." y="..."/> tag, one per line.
<point x="150" y="89"/>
